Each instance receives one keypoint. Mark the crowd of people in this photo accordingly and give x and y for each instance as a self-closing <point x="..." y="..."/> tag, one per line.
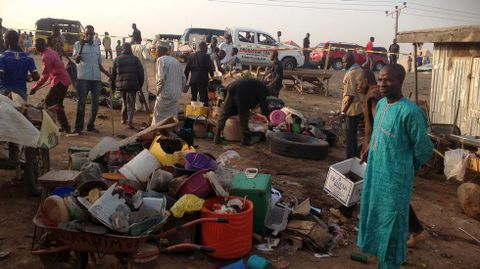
<point x="396" y="142"/>
<point x="210" y="61"/>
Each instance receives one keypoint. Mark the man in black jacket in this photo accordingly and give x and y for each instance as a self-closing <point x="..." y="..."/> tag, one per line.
<point x="127" y="77"/>
<point x="242" y="96"/>
<point x="200" y="66"/>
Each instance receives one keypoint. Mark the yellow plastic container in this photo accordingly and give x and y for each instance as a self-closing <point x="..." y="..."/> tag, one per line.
<point x="169" y="159"/>
<point x="196" y="111"/>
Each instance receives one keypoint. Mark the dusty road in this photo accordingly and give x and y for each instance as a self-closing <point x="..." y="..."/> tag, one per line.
<point x="434" y="199"/>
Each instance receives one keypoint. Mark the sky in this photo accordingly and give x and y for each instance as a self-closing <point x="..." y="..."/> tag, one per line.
<point x="327" y="20"/>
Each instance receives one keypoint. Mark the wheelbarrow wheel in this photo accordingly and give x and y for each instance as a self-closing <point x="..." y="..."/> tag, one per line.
<point x="62" y="259"/>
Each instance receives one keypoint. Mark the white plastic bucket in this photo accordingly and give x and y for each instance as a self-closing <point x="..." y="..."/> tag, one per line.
<point x="78" y="159"/>
<point x="141" y="167"/>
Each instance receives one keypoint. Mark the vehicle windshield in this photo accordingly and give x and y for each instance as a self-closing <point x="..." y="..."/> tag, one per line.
<point x="184" y="38"/>
<point x="65" y="27"/>
<point x="265" y="39"/>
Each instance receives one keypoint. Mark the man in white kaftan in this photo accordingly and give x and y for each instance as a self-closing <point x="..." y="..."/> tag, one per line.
<point x="170" y="82"/>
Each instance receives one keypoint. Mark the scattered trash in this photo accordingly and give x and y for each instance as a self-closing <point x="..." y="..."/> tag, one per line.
<point x="359" y="257"/>
<point x="281" y="264"/>
<point x="240" y="264"/>
<point x="277" y="218"/>
<point x="303" y="209"/>
<point x="105" y="145"/>
<point x="4" y="254"/>
<point x="471" y="236"/>
<point x="321" y="255"/>
<point x="187" y="203"/>
<point x="257" y="262"/>
<point x="271" y="243"/>
<point x="446" y="255"/>
<point x="456" y="163"/>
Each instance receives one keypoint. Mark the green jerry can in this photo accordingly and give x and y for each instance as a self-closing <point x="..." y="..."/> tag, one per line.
<point x="258" y="189"/>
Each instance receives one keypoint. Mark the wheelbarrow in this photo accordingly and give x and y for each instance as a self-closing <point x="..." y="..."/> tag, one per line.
<point x="439" y="133"/>
<point x="73" y="248"/>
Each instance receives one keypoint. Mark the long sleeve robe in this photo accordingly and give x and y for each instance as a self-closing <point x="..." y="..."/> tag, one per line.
<point x="399" y="145"/>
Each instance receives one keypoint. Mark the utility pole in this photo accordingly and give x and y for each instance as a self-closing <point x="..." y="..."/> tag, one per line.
<point x="395" y="14"/>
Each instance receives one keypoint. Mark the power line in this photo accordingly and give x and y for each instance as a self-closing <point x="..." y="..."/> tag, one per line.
<point x="444" y="8"/>
<point x="395" y="14"/>
<point x="335" y="8"/>
<point x="291" y="6"/>
<point x="436" y="17"/>
<point x="331" y="3"/>
<point x="446" y="13"/>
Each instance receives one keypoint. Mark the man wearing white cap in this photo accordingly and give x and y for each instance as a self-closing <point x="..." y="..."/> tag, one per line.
<point x="170" y="81"/>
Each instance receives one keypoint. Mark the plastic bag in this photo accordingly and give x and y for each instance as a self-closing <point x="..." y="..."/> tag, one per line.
<point x="105" y="145"/>
<point x="456" y="163"/>
<point x="91" y="171"/>
<point x="188" y="203"/>
<point x="229" y="157"/>
<point x="48" y="132"/>
<point x="14" y="127"/>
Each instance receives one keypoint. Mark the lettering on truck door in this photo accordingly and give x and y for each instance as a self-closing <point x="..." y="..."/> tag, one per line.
<point x="246" y="45"/>
<point x="266" y="44"/>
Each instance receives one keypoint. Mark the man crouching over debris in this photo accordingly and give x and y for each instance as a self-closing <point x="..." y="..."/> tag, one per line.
<point x="242" y="95"/>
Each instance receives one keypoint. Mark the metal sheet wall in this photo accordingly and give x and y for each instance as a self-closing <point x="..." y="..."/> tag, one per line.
<point x="455" y="79"/>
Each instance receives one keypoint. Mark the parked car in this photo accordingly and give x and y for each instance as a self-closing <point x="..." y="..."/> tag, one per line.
<point x="70" y="29"/>
<point x="255" y="48"/>
<point x="339" y="49"/>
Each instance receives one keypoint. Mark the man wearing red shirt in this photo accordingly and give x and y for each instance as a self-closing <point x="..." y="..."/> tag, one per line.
<point x="368" y="49"/>
<point x="53" y="70"/>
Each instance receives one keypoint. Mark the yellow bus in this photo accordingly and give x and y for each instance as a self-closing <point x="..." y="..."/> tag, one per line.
<point x="71" y="30"/>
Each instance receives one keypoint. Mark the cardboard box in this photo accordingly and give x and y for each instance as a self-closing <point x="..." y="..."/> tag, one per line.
<point x="345" y="190"/>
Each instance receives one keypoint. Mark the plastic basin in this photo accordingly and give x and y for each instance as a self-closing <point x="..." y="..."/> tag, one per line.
<point x="199" y="161"/>
<point x="196" y="184"/>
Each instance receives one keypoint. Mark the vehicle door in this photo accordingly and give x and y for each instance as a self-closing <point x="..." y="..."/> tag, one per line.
<point x="245" y="42"/>
<point x="266" y="44"/>
<point x="360" y="55"/>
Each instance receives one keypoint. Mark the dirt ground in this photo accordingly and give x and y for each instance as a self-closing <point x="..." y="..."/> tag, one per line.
<point x="434" y="199"/>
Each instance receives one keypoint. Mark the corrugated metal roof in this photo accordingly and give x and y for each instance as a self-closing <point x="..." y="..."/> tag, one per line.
<point x="468" y="33"/>
<point x="454" y="80"/>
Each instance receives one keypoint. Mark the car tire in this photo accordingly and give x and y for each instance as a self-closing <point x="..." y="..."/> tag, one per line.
<point x="289" y="63"/>
<point x="337" y="64"/>
<point x="378" y="66"/>
<point x="297" y="146"/>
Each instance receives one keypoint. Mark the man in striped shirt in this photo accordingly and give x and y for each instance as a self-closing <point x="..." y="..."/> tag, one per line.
<point x="15" y="65"/>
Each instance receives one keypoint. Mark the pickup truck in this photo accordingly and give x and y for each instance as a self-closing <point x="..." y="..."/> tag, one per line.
<point x="339" y="49"/>
<point x="255" y="48"/>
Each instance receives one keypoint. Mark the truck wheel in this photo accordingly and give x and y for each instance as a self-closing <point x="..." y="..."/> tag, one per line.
<point x="37" y="163"/>
<point x="297" y="146"/>
<point x="289" y="63"/>
<point x="378" y="66"/>
<point x="337" y="64"/>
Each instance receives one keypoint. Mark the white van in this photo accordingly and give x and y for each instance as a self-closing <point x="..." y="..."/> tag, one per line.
<point x="255" y="48"/>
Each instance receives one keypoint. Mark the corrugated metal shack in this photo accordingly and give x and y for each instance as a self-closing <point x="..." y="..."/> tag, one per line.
<point x="455" y="74"/>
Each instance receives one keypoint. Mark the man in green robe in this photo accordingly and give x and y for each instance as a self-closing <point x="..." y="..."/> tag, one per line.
<point x="399" y="145"/>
